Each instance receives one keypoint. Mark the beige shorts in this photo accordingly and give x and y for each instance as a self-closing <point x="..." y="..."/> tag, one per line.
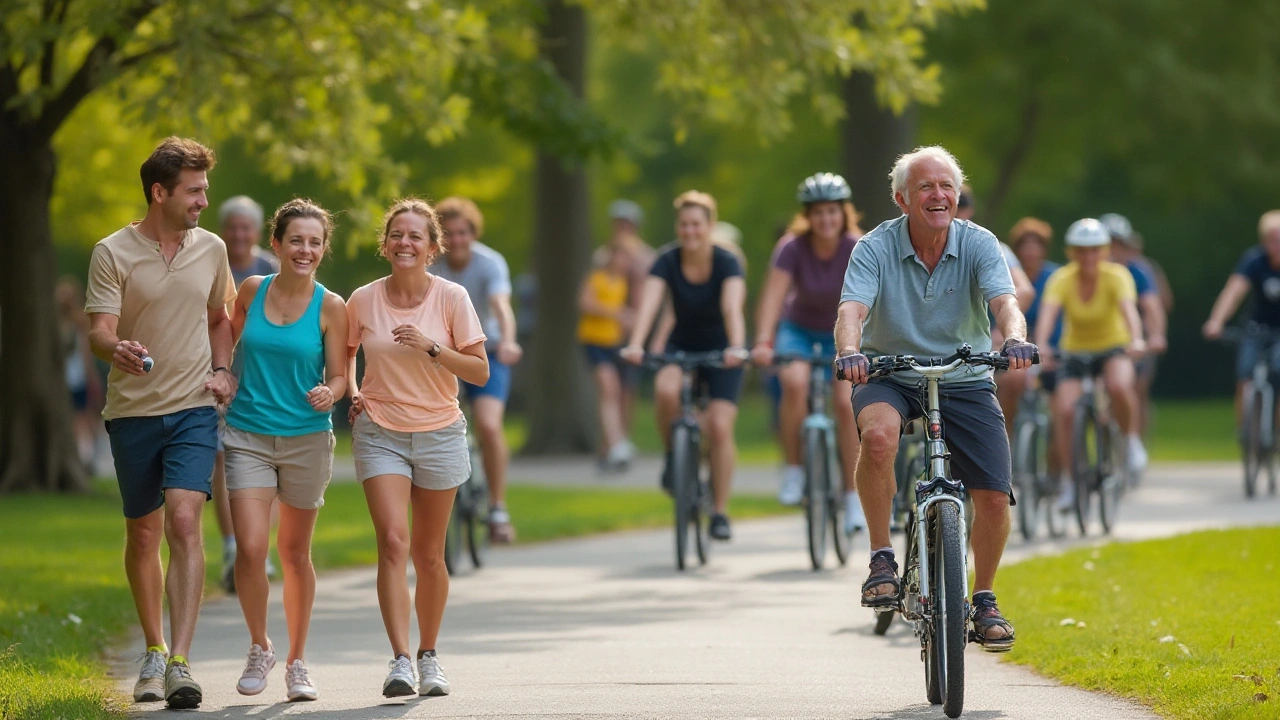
<point x="433" y="460"/>
<point x="298" y="467"/>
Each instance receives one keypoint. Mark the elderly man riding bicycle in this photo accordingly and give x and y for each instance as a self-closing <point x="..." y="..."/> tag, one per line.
<point x="922" y="284"/>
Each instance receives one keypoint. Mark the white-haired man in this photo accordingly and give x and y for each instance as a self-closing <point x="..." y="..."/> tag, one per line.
<point x="922" y="285"/>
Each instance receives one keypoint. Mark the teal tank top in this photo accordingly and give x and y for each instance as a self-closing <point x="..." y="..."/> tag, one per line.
<point x="281" y="363"/>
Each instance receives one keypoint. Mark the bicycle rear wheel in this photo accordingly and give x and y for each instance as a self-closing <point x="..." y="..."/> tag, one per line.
<point x="816" y="485"/>
<point x="836" y="501"/>
<point x="1026" y="478"/>
<point x="948" y="637"/>
<point x="1083" y="467"/>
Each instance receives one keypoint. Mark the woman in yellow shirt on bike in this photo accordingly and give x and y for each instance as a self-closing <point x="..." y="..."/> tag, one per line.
<point x="604" y="318"/>
<point x="1097" y="300"/>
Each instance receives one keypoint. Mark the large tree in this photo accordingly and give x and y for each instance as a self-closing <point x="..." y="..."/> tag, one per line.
<point x="309" y="84"/>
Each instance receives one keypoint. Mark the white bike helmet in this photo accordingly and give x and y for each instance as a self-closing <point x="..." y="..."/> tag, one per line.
<point x="823" y="187"/>
<point x="1088" y="233"/>
<point x="1118" y="225"/>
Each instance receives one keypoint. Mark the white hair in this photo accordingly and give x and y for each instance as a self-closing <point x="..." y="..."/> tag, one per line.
<point x="902" y="168"/>
<point x="241" y="205"/>
<point x="1268" y="223"/>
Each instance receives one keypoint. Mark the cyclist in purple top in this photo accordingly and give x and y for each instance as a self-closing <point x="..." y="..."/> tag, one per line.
<point x="808" y="266"/>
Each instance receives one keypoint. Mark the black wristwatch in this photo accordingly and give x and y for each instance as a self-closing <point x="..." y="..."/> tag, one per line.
<point x="222" y="368"/>
<point x="434" y="350"/>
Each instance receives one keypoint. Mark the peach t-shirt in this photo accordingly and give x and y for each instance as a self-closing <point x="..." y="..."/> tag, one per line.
<point x="403" y="388"/>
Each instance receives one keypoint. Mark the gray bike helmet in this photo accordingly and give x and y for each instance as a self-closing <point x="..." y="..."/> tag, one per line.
<point x="823" y="187"/>
<point x="1118" y="225"/>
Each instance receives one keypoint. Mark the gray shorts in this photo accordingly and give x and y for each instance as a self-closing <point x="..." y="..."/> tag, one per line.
<point x="972" y="426"/>
<point x="299" y="467"/>
<point x="433" y="460"/>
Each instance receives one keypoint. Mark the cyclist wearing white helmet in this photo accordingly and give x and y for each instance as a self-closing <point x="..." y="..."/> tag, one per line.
<point x="808" y="267"/>
<point x="1096" y="299"/>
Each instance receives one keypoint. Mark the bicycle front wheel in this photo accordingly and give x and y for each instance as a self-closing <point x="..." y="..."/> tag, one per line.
<point x="1025" y="479"/>
<point x="684" y="489"/>
<point x="816" y="485"/>
<point x="947" y="608"/>
<point x="478" y="522"/>
<point x="1251" y="444"/>
<point x="1112" y="483"/>
<point x="1083" y="468"/>
<point x="453" y="539"/>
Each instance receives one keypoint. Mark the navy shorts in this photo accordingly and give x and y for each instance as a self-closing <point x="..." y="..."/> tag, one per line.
<point x="972" y="426"/>
<point x="499" y="385"/>
<point x="715" y="383"/>
<point x="1247" y="356"/>
<point x="601" y="355"/>
<point x="154" y="454"/>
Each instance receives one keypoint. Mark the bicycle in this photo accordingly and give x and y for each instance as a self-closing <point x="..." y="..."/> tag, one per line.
<point x="823" y="470"/>
<point x="1032" y="480"/>
<point x="935" y="580"/>
<point x="909" y="464"/>
<point x="1096" y="442"/>
<point x="1258" y="428"/>
<point x="691" y="489"/>
<point x="469" y="521"/>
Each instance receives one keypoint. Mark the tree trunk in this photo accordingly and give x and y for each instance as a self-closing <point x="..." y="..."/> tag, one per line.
<point x="871" y="140"/>
<point x="37" y="447"/>
<point x="561" y="412"/>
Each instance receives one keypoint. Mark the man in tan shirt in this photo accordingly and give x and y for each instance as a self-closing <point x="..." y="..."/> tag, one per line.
<point x="157" y="296"/>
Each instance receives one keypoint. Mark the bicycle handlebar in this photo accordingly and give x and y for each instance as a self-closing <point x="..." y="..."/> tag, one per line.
<point x="686" y="360"/>
<point x="1248" y="332"/>
<point x="812" y="359"/>
<point x="938" y="366"/>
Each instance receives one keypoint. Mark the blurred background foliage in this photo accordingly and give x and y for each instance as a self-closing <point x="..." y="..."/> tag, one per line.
<point x="1164" y="111"/>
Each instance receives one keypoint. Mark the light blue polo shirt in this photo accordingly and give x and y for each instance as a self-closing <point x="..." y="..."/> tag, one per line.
<point x="915" y="312"/>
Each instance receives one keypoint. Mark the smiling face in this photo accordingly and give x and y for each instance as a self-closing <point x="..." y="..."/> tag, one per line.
<point x="460" y="235"/>
<point x="929" y="200"/>
<point x="826" y="220"/>
<point x="240" y="232"/>
<point x="1031" y="251"/>
<point x="693" y="228"/>
<point x="181" y="208"/>
<point x="1088" y="258"/>
<point x="408" y="245"/>
<point x="303" y="246"/>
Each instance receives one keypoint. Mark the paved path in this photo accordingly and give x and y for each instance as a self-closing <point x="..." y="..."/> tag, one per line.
<point x="604" y="628"/>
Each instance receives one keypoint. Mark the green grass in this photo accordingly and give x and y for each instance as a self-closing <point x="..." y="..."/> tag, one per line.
<point x="63" y="557"/>
<point x="1193" y="430"/>
<point x="1189" y="625"/>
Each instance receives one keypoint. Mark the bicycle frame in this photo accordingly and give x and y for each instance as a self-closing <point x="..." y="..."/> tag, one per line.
<point x="1261" y="386"/>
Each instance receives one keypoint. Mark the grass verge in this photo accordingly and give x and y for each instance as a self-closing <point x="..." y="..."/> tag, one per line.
<point x="1187" y="625"/>
<point x="64" y="597"/>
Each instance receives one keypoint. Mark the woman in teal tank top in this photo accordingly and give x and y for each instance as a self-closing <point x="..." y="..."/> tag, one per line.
<point x="292" y="336"/>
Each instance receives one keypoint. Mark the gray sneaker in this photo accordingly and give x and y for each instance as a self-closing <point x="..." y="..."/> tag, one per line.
<point x="432" y="680"/>
<point x="299" y="682"/>
<point x="254" y="678"/>
<point x="150" y="685"/>
<point x="180" y="691"/>
<point x="400" y="682"/>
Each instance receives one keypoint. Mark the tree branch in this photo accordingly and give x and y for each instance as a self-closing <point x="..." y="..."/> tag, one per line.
<point x="1011" y="163"/>
<point x="91" y="73"/>
<point x="140" y="57"/>
<point x="47" y="50"/>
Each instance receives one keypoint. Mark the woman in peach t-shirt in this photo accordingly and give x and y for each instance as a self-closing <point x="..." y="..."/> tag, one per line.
<point x="420" y="333"/>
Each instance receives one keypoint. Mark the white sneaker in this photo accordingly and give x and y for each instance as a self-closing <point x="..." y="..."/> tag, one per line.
<point x="400" y="681"/>
<point x="619" y="455"/>
<point x="854" y="520"/>
<point x="299" y="682"/>
<point x="791" y="490"/>
<point x="254" y="678"/>
<point x="1137" y="455"/>
<point x="1066" y="495"/>
<point x="433" y="682"/>
<point x="150" y="685"/>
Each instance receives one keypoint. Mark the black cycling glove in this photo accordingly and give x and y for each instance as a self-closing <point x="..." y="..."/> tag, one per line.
<point x="845" y="365"/>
